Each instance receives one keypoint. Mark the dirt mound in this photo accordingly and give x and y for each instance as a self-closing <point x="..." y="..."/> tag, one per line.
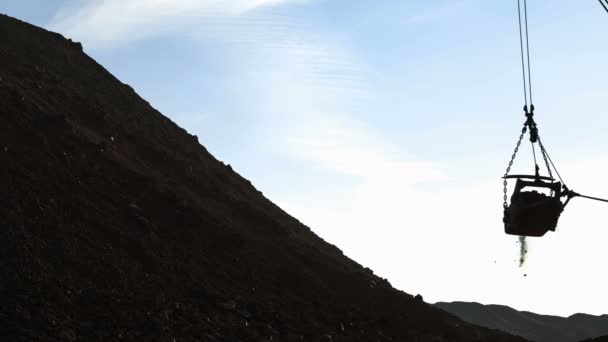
<point x="118" y="225"/>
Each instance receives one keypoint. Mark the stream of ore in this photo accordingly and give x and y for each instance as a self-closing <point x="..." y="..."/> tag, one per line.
<point x="523" y="250"/>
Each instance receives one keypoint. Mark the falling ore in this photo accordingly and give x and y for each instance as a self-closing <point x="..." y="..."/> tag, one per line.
<point x="523" y="250"/>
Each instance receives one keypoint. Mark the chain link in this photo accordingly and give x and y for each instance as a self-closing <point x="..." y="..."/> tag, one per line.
<point x="521" y="137"/>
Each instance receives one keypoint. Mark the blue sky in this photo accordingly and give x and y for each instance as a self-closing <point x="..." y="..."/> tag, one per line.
<point x="385" y="126"/>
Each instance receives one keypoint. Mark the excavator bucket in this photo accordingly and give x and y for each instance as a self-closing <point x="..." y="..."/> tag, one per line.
<point x="532" y="213"/>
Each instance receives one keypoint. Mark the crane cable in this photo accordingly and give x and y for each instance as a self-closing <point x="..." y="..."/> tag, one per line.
<point x="524" y="36"/>
<point x="568" y="192"/>
<point x="529" y="122"/>
<point x="543" y="150"/>
<point x="526" y="70"/>
<point x="525" y="51"/>
<point x="604" y="4"/>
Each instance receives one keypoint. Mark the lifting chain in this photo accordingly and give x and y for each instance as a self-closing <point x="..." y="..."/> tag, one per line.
<point x="521" y="137"/>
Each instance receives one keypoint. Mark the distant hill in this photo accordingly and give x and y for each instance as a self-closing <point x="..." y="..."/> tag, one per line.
<point x="532" y="326"/>
<point x="597" y="339"/>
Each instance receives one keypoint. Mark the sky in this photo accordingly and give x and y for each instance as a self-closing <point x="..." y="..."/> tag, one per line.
<point x="384" y="126"/>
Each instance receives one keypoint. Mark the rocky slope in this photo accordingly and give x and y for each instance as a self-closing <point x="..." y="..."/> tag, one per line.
<point x="116" y="224"/>
<point x="532" y="326"/>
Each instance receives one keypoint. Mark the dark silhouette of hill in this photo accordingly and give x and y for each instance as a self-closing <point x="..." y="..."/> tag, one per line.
<point x="530" y="325"/>
<point x="597" y="339"/>
<point x="116" y="224"/>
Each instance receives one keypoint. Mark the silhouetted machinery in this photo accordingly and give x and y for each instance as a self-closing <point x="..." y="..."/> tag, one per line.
<point x="537" y="201"/>
<point x="532" y="213"/>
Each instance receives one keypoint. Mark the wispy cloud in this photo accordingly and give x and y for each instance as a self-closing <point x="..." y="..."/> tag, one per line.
<point x="115" y="21"/>
<point x="321" y="109"/>
<point x="439" y="13"/>
<point x="345" y="146"/>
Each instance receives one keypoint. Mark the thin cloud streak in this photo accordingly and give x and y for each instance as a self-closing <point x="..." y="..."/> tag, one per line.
<point x="110" y="22"/>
